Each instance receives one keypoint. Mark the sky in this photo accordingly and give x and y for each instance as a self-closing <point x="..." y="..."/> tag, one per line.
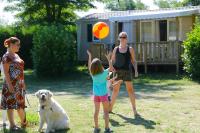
<point x="9" y="18"/>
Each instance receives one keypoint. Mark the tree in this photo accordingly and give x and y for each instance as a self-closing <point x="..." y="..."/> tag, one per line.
<point x="122" y="5"/>
<point x="48" y="11"/>
<point x="191" y="2"/>
<point x="191" y="55"/>
<point x="53" y="51"/>
<point x="140" y="6"/>
<point x="168" y="3"/>
<point x="176" y="3"/>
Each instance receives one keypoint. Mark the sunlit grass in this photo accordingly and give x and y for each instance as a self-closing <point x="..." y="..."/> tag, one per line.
<point x="167" y="103"/>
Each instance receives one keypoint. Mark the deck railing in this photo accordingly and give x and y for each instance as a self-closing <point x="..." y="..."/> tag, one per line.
<point x="148" y="53"/>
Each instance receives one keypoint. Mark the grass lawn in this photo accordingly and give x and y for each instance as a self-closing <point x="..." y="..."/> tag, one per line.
<point x="167" y="104"/>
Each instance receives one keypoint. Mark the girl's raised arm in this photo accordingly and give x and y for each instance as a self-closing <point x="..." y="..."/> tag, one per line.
<point x="89" y="59"/>
<point x="108" y="57"/>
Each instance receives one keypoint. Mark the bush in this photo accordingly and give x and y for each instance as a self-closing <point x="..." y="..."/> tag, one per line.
<point x="191" y="56"/>
<point x="53" y="51"/>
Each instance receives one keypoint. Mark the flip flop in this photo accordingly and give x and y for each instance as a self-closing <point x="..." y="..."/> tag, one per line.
<point x="15" y="128"/>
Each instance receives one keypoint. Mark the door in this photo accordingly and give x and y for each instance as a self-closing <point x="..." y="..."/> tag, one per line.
<point x="163" y="30"/>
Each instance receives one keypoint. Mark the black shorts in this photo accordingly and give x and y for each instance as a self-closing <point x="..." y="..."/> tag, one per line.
<point x="125" y="75"/>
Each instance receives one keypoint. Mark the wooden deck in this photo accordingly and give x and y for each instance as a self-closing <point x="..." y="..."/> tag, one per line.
<point x="148" y="53"/>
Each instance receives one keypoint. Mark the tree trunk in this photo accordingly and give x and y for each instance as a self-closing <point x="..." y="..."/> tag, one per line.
<point x="59" y="12"/>
<point x="48" y="11"/>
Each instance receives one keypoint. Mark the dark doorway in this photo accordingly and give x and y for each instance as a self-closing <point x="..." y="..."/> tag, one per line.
<point x="120" y="27"/>
<point x="163" y="30"/>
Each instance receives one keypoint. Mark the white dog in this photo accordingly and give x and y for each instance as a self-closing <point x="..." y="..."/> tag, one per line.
<point x="51" y="112"/>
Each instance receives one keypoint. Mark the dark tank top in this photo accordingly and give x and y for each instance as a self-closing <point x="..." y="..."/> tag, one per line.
<point x="122" y="60"/>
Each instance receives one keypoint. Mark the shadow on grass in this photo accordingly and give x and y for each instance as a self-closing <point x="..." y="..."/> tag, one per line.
<point x="62" y="131"/>
<point x="5" y="130"/>
<point x="59" y="131"/>
<point x="80" y="84"/>
<point x="139" y="120"/>
<point x="115" y="123"/>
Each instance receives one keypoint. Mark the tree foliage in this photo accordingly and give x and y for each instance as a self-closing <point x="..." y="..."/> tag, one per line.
<point x="54" y="51"/>
<point x="168" y="3"/>
<point x="191" y="56"/>
<point x="48" y="11"/>
<point x="175" y="3"/>
<point x="122" y="5"/>
<point x="191" y="2"/>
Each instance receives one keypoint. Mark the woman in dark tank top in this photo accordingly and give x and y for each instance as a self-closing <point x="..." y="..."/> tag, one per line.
<point x="122" y="58"/>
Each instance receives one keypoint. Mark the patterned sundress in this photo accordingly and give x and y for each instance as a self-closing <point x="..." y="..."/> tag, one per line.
<point x="14" y="100"/>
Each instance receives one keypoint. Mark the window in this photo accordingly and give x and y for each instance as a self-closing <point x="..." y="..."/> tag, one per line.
<point x="146" y="31"/>
<point x="89" y="32"/>
<point x="90" y="36"/>
<point x="172" y="30"/>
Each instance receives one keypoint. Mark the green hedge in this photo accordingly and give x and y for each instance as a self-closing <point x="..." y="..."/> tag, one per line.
<point x="54" y="51"/>
<point x="191" y="56"/>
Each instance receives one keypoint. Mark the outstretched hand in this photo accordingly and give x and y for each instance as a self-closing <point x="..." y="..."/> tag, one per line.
<point x="136" y="74"/>
<point x="108" y="55"/>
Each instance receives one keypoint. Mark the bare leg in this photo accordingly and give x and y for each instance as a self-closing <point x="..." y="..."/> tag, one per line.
<point x="96" y="114"/>
<point x="131" y="93"/>
<point x="21" y="113"/>
<point x="136" y="69"/>
<point x="10" y="114"/>
<point x="106" y="113"/>
<point x="115" y="93"/>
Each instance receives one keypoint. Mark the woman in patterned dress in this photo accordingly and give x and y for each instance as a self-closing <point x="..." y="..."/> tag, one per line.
<point x="13" y="86"/>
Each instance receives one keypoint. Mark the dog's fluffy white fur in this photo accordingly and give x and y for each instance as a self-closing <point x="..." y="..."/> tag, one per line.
<point x="51" y="112"/>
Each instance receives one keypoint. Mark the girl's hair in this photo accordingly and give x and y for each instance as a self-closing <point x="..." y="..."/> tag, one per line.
<point x="96" y="67"/>
<point x="10" y="40"/>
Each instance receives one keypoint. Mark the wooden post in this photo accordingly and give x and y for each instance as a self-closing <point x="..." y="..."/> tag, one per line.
<point x="137" y="31"/>
<point x="116" y="33"/>
<point x="136" y="51"/>
<point x="177" y="44"/>
<point x="159" y="49"/>
<point x="193" y="21"/>
<point x="141" y="52"/>
<point x="177" y="61"/>
<point x="145" y="57"/>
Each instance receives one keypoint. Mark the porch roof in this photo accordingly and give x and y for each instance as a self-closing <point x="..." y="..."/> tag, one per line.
<point x="144" y="14"/>
<point x="158" y="14"/>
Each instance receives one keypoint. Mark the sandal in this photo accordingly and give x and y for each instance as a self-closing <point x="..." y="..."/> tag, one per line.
<point x="96" y="130"/>
<point x="23" y="125"/>
<point x="110" y="112"/>
<point x="15" y="128"/>
<point x="4" y="124"/>
<point x="136" y="115"/>
<point x="108" y="130"/>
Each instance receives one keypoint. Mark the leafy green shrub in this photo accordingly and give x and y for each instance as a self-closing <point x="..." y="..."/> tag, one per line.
<point x="191" y="56"/>
<point x="53" y="51"/>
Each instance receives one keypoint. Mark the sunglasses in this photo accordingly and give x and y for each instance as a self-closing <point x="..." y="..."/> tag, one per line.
<point x="124" y="37"/>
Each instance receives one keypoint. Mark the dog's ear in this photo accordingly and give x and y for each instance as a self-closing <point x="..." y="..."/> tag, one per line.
<point x="37" y="93"/>
<point x="50" y="93"/>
